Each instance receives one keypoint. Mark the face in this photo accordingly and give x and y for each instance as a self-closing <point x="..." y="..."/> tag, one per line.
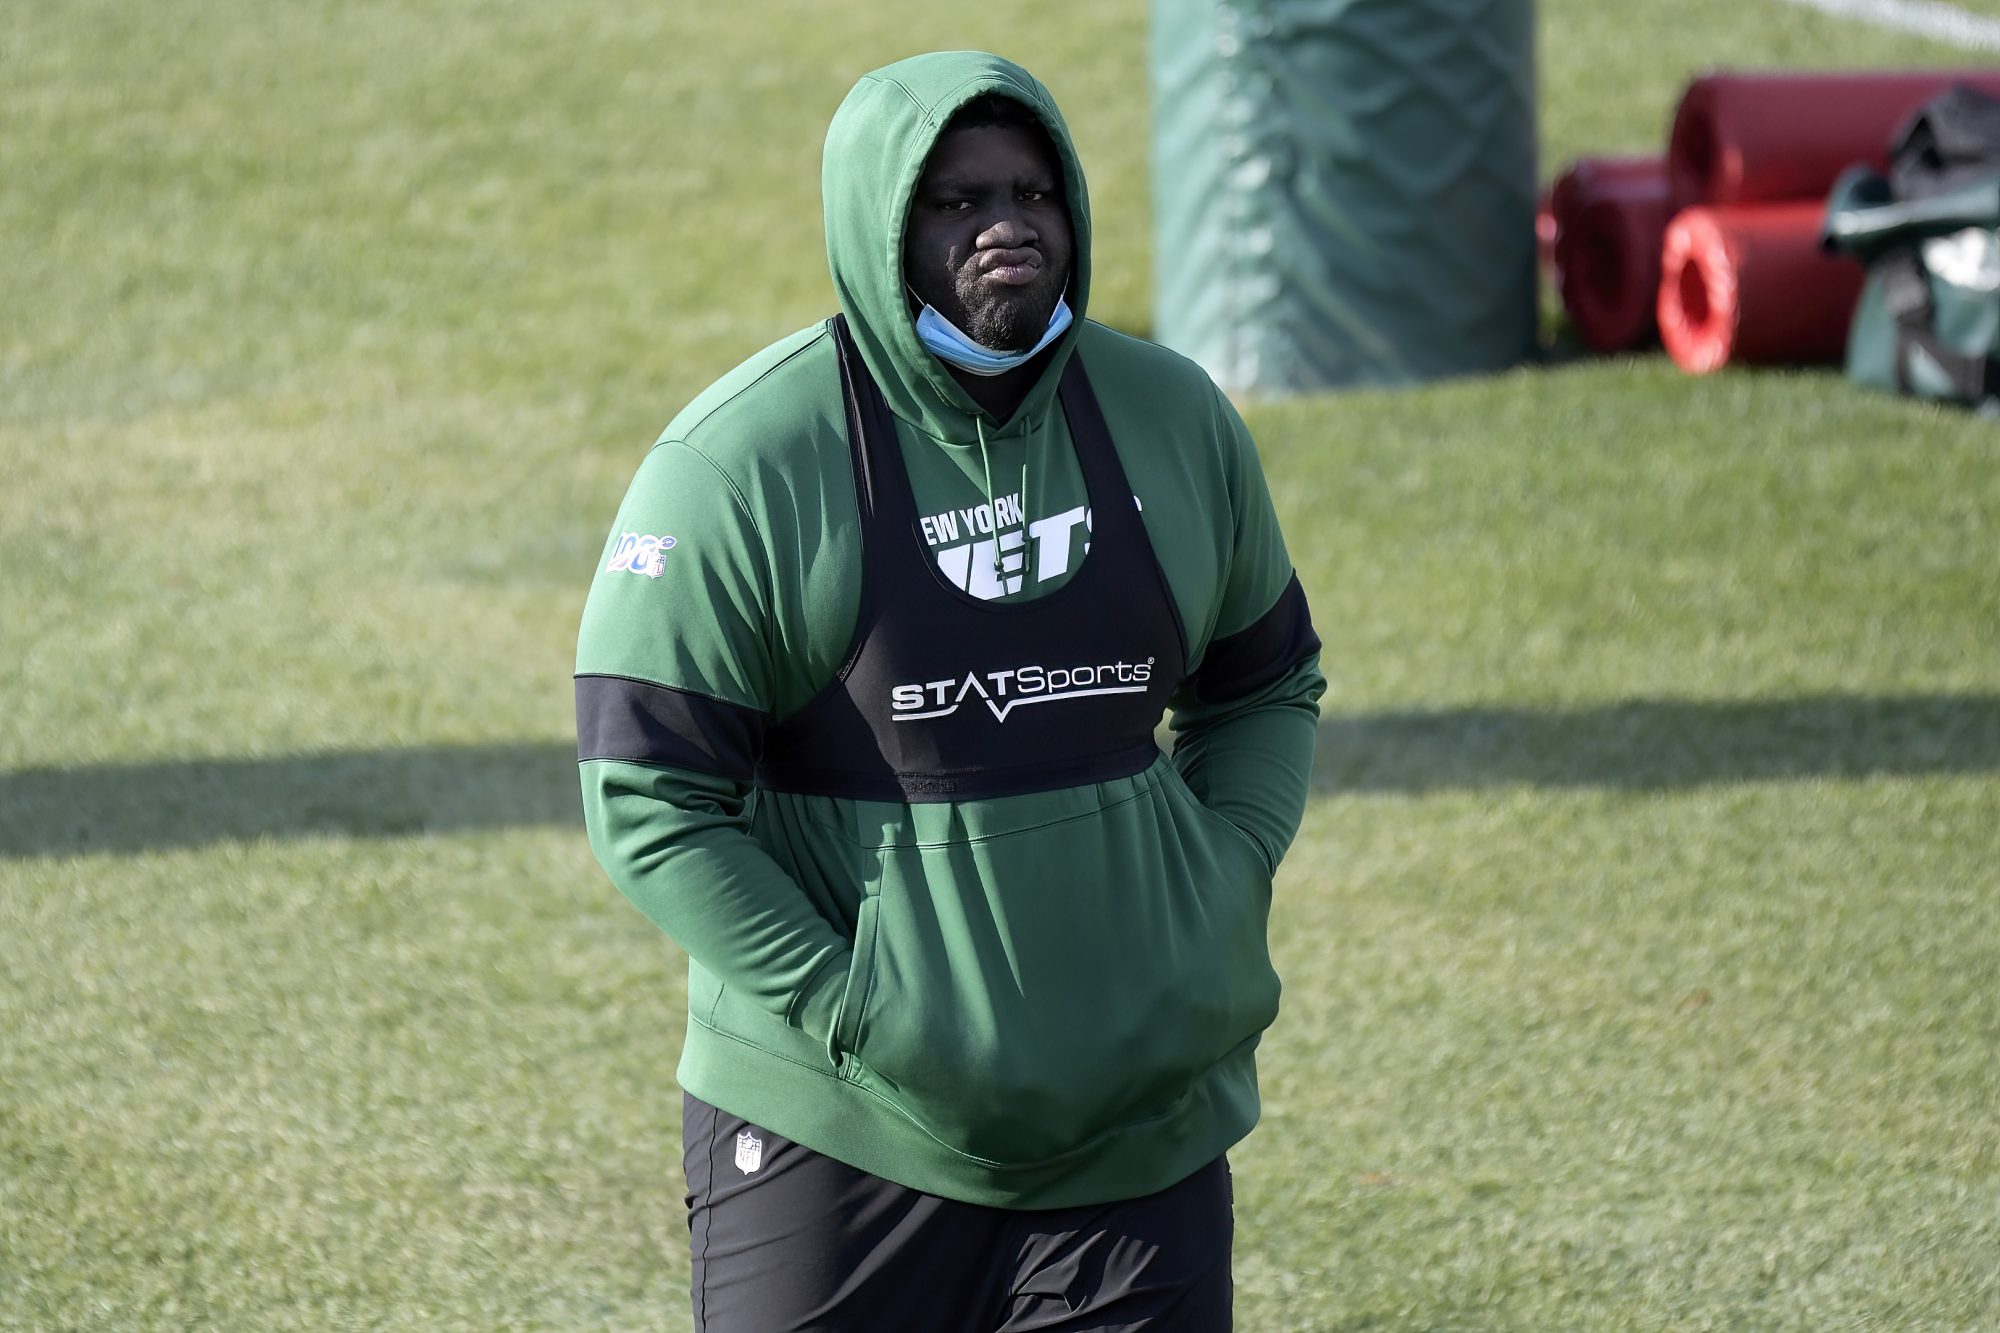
<point x="988" y="240"/>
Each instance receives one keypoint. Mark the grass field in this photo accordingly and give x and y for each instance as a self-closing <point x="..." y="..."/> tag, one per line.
<point x="1640" y="947"/>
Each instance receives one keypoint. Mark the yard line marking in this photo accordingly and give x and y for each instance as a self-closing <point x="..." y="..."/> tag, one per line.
<point x="1925" y="18"/>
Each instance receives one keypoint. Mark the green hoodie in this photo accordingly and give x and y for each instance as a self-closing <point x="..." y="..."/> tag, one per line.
<point x="1030" y="1001"/>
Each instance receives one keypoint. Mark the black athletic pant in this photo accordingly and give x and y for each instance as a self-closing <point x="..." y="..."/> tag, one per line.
<point x="785" y="1239"/>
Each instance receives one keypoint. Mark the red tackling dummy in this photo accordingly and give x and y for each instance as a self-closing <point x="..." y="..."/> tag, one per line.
<point x="1609" y="215"/>
<point x="1742" y="138"/>
<point x="1751" y="285"/>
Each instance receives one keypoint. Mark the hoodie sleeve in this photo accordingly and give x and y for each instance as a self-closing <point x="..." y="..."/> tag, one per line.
<point x="673" y="693"/>
<point x="1246" y="721"/>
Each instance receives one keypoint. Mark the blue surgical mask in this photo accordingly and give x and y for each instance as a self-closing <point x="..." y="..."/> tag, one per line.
<point x="951" y="345"/>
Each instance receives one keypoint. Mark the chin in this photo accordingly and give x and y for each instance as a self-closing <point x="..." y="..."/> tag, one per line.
<point x="1011" y="325"/>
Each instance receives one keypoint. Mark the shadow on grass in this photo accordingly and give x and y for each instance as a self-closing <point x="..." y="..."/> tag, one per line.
<point x="1650" y="744"/>
<point x="1639" y="745"/>
<point x="354" y="793"/>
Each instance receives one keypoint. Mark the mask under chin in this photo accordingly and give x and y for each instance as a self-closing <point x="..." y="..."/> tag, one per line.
<point x="955" y="347"/>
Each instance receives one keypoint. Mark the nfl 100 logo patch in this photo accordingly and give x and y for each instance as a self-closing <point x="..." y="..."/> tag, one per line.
<point x="749" y="1152"/>
<point x="640" y="553"/>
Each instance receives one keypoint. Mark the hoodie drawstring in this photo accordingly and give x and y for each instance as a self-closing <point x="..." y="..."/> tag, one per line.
<point x="986" y="466"/>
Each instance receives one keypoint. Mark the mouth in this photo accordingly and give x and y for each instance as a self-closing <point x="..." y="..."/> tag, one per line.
<point x="1010" y="268"/>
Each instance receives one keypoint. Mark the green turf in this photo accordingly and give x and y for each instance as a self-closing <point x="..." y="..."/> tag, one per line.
<point x="1639" y="947"/>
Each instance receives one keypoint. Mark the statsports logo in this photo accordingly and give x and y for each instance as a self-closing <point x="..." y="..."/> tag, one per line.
<point x="1017" y="687"/>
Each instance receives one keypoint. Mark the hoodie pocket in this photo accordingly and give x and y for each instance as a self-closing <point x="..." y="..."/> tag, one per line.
<point x="1019" y="993"/>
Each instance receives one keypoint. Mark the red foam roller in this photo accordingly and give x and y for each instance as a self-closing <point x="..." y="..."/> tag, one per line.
<point x="1610" y="216"/>
<point x="1746" y="138"/>
<point x="1749" y="284"/>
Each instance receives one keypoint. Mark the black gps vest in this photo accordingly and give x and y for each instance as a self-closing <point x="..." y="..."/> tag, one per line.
<point x="944" y="697"/>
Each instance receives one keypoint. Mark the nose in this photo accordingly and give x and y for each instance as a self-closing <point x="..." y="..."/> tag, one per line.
<point x="1006" y="233"/>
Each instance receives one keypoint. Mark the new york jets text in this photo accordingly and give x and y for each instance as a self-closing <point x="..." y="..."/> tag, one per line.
<point x="1000" y="563"/>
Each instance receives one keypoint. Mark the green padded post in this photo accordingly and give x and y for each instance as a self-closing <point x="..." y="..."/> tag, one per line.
<point x="1344" y="190"/>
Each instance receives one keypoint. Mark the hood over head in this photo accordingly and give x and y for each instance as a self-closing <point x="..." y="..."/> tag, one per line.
<point x="876" y="148"/>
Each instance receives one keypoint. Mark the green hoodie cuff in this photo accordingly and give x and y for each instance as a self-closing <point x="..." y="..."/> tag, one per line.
<point x="817" y="1007"/>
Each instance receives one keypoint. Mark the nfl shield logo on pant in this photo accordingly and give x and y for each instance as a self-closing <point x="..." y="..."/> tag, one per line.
<point x="749" y="1152"/>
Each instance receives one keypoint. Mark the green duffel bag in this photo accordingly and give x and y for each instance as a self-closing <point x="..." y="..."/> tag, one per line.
<point x="1928" y="322"/>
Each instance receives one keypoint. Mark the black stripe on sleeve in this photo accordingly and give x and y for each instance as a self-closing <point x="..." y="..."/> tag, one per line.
<point x="1253" y="658"/>
<point x="621" y="718"/>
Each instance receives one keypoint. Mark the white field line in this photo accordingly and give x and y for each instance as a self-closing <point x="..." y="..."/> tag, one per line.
<point x="1925" y="18"/>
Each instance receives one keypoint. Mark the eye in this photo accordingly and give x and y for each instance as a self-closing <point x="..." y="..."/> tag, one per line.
<point x="1034" y="196"/>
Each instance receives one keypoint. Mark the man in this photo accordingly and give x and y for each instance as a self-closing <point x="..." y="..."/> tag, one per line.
<point x="866" y="695"/>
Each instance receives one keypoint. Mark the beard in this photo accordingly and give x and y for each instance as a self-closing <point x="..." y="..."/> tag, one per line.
<point x="1007" y="319"/>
